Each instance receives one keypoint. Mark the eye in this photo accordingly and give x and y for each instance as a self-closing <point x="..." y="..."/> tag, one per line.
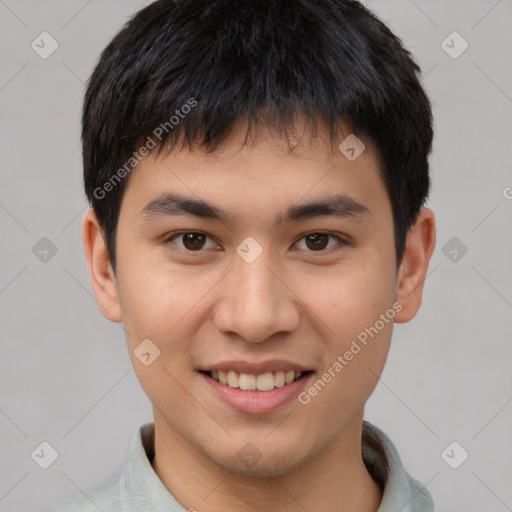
<point x="195" y="241"/>
<point x="318" y="242"/>
<point x="192" y="241"/>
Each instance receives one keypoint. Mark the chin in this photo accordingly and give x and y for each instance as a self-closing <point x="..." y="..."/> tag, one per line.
<point x="265" y="463"/>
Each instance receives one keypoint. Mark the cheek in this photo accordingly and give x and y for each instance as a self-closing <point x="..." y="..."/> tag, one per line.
<point x="349" y="300"/>
<point x="155" y="296"/>
<point x="355" y="307"/>
<point x="157" y="306"/>
<point x="166" y="306"/>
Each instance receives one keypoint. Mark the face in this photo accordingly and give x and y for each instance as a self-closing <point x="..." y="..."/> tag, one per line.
<point x="250" y="264"/>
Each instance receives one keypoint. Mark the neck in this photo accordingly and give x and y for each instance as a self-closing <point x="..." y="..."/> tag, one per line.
<point x="336" y="480"/>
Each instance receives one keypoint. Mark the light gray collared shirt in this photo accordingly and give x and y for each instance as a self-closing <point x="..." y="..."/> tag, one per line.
<point x="136" y="487"/>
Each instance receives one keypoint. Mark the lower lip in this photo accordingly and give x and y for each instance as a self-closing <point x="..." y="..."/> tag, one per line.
<point x="257" y="402"/>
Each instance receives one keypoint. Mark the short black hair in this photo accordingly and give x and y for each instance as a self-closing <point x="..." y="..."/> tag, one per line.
<point x="188" y="70"/>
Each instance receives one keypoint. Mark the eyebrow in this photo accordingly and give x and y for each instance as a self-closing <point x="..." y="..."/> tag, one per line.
<point x="340" y="205"/>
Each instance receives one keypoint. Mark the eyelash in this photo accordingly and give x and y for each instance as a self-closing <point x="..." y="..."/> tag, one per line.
<point x="342" y="242"/>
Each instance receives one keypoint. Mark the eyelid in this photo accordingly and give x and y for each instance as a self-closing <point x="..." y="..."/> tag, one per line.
<point x="177" y="234"/>
<point x="341" y="240"/>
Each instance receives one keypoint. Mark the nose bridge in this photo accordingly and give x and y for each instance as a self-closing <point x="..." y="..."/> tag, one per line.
<point x="255" y="303"/>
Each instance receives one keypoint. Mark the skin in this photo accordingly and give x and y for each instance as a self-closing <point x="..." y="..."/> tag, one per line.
<point x="292" y="302"/>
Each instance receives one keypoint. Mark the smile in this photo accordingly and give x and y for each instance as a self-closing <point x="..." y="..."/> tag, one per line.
<point x="261" y="382"/>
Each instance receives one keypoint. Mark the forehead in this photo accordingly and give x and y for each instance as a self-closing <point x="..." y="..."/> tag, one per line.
<point x="258" y="174"/>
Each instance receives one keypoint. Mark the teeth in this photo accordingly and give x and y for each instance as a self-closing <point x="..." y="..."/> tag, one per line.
<point x="232" y="379"/>
<point x="247" y="382"/>
<point x="263" y="382"/>
<point x="279" y="379"/>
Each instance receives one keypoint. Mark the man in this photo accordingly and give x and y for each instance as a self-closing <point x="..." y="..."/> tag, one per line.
<point x="257" y="173"/>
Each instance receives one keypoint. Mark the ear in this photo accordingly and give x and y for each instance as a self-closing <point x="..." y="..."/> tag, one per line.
<point x="420" y="243"/>
<point x="101" y="274"/>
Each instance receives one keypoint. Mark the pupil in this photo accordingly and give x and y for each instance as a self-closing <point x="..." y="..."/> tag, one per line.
<point x="315" y="238"/>
<point x="190" y="240"/>
<point x="194" y="241"/>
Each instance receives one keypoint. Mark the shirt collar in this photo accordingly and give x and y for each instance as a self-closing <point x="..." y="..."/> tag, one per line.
<point x="401" y="492"/>
<point x="142" y="486"/>
<point x="143" y="490"/>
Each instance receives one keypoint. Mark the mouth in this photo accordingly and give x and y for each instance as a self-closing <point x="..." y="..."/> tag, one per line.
<point x="255" y="387"/>
<point x="263" y="382"/>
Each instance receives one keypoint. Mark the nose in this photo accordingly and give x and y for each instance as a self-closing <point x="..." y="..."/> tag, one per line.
<point x="256" y="302"/>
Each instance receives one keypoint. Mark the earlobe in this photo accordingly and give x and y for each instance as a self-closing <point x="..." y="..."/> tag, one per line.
<point x="420" y="244"/>
<point x="101" y="274"/>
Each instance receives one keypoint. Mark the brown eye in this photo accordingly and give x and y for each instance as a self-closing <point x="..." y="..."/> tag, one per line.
<point x="191" y="241"/>
<point x="318" y="242"/>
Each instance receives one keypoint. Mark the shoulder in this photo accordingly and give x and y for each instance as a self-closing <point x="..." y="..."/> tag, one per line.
<point x="104" y="497"/>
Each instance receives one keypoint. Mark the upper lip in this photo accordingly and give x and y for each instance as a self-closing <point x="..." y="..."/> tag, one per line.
<point x="257" y="368"/>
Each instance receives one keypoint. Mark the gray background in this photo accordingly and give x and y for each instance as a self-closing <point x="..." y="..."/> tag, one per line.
<point x="65" y="375"/>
